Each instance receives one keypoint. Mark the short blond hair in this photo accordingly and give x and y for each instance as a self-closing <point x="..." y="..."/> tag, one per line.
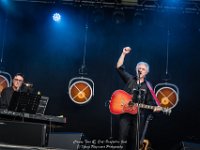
<point x="142" y="63"/>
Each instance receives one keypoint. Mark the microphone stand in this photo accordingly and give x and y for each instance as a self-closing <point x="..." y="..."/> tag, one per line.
<point x="138" y="114"/>
<point x="111" y="121"/>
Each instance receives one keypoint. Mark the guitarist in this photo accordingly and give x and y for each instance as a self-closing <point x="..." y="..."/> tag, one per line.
<point x="128" y="122"/>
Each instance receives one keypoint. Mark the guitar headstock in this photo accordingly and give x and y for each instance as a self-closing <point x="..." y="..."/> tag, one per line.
<point x="166" y="111"/>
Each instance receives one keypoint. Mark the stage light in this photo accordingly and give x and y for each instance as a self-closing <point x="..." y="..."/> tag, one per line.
<point x="167" y="94"/>
<point x="118" y="17"/>
<point x="81" y="90"/>
<point x="139" y="18"/>
<point x="5" y="80"/>
<point x="98" y="15"/>
<point x="56" y="17"/>
<point x="3" y="83"/>
<point x="5" y="2"/>
<point x="172" y="2"/>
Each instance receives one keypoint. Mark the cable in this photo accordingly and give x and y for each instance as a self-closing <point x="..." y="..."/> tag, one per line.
<point x="82" y="70"/>
<point x="4" y="39"/>
<point x="167" y="53"/>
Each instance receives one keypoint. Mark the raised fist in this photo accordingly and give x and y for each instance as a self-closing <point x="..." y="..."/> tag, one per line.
<point x="126" y="50"/>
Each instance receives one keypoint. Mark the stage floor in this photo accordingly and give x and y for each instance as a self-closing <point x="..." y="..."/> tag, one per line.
<point x="22" y="147"/>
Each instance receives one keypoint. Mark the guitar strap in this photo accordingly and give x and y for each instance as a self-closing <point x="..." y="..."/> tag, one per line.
<point x="152" y="93"/>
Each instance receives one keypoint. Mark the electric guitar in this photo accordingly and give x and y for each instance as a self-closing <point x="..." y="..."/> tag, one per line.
<point x="144" y="143"/>
<point x="121" y="102"/>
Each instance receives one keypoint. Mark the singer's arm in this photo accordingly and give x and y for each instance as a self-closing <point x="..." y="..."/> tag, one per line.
<point x="120" y="61"/>
<point x="120" y="67"/>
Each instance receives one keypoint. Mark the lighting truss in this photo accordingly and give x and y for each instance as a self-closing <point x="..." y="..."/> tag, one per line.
<point x="185" y="5"/>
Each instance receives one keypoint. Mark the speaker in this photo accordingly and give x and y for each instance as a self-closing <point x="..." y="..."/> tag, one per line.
<point x="185" y="145"/>
<point x="22" y="133"/>
<point x="64" y="140"/>
<point x="190" y="146"/>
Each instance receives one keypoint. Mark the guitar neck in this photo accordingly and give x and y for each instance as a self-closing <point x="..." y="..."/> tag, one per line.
<point x="167" y="111"/>
<point x="146" y="106"/>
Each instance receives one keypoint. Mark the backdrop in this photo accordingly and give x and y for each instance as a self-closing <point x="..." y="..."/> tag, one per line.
<point x="50" y="55"/>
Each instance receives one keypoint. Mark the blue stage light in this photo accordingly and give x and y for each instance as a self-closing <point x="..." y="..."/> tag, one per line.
<point x="172" y="1"/>
<point x="56" y="17"/>
<point x="4" y="3"/>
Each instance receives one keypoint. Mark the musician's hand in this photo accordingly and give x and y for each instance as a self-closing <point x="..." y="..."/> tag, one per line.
<point x="157" y="109"/>
<point x="126" y="50"/>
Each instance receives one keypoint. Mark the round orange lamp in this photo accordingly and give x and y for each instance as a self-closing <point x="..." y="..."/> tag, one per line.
<point x="81" y="90"/>
<point x="3" y="82"/>
<point x="167" y="94"/>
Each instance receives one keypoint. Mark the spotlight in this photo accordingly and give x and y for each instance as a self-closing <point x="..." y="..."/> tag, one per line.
<point x="5" y="80"/>
<point x="56" y="17"/>
<point x="138" y="18"/>
<point x="167" y="94"/>
<point x="81" y="90"/>
<point x="4" y="2"/>
<point x="98" y="15"/>
<point x="3" y="83"/>
<point x="118" y="17"/>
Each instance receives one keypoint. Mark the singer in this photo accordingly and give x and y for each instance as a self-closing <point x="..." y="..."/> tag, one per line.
<point x="7" y="93"/>
<point x="136" y="86"/>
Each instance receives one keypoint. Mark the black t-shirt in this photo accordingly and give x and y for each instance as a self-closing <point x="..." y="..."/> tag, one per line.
<point x="132" y="87"/>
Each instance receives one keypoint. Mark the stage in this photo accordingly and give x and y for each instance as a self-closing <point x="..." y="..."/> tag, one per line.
<point x="68" y="51"/>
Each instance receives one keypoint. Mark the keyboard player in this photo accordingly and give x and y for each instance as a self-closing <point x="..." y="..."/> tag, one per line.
<point x="6" y="96"/>
<point x="7" y="92"/>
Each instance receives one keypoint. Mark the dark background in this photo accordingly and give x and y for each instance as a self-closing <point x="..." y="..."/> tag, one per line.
<point x="50" y="55"/>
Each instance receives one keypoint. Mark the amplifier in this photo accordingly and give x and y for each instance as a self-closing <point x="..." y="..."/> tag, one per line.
<point x="22" y="133"/>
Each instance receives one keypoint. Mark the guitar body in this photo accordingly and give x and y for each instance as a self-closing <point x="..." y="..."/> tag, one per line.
<point x="120" y="103"/>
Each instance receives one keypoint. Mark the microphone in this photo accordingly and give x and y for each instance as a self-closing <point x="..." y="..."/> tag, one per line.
<point x="139" y="72"/>
<point x="28" y="84"/>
